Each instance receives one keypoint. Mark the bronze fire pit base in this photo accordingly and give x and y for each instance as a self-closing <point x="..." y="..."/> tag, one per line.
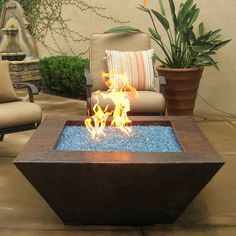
<point x="119" y="188"/>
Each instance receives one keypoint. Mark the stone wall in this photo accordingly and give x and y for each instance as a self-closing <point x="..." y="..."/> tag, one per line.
<point x="25" y="71"/>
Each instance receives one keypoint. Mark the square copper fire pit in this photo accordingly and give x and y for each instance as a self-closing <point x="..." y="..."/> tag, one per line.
<point x="119" y="188"/>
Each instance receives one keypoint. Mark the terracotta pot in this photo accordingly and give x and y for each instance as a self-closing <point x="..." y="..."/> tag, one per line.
<point x="181" y="89"/>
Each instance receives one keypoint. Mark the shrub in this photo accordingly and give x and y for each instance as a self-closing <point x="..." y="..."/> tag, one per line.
<point x="64" y="75"/>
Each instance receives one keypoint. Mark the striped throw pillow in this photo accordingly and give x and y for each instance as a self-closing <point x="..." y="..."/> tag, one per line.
<point x="137" y="65"/>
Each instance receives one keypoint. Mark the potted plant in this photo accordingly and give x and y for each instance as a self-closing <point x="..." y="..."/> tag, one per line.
<point x="187" y="52"/>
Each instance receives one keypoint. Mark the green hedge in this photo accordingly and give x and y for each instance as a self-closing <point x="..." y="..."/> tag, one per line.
<point x="64" y="75"/>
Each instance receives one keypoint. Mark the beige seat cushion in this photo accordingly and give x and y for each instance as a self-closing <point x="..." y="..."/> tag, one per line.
<point x="147" y="102"/>
<point x="114" y="41"/>
<point x="7" y="92"/>
<point x="19" y="113"/>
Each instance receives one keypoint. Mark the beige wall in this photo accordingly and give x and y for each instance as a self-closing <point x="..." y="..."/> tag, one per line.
<point x="218" y="87"/>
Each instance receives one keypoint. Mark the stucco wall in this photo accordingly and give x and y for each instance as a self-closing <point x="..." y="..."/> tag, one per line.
<point x="218" y="87"/>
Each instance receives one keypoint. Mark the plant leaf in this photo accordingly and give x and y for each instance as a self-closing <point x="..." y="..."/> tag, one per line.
<point x="220" y="45"/>
<point x="142" y="8"/>
<point x="156" y="58"/>
<point x="194" y="15"/>
<point x="184" y="11"/>
<point x="174" y="18"/>
<point x="205" y="37"/>
<point x="162" y="8"/>
<point x="206" y="58"/>
<point x="122" y="29"/>
<point x="188" y="4"/>
<point x="154" y="34"/>
<point x="161" y="19"/>
<point x="211" y="53"/>
<point x="192" y="35"/>
<point x="215" y="35"/>
<point x="176" y="47"/>
<point x="201" y="29"/>
<point x="202" y="48"/>
<point x="180" y="12"/>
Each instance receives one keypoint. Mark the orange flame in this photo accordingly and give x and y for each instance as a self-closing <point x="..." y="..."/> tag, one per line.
<point x="99" y="121"/>
<point x="145" y="2"/>
<point x="119" y="88"/>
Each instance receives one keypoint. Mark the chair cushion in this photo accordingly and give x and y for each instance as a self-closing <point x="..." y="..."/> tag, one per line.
<point x="136" y="65"/>
<point x="19" y="113"/>
<point x="7" y="92"/>
<point x="147" y="102"/>
<point x="114" y="41"/>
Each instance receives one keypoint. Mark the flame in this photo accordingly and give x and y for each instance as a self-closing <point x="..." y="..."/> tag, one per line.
<point x="99" y="121"/>
<point x="145" y="2"/>
<point x="119" y="88"/>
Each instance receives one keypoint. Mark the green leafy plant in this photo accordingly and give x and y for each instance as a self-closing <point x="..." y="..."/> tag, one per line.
<point x="64" y="75"/>
<point x="186" y="48"/>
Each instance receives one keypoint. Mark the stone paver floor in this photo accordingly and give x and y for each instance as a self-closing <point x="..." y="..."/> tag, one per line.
<point x="24" y="213"/>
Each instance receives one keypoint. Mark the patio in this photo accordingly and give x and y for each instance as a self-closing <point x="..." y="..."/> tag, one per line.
<point x="54" y="42"/>
<point x="24" y="212"/>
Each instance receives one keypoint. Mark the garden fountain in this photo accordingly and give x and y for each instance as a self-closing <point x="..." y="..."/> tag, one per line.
<point x="17" y="44"/>
<point x="12" y="51"/>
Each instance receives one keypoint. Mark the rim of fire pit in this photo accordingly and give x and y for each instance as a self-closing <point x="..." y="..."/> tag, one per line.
<point x="196" y="147"/>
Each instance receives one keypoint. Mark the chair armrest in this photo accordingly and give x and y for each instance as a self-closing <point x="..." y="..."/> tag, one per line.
<point x="32" y="89"/>
<point x="89" y="84"/>
<point x="162" y="80"/>
<point x="89" y="80"/>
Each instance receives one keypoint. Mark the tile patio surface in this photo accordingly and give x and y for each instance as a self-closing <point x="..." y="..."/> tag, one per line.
<point x="24" y="213"/>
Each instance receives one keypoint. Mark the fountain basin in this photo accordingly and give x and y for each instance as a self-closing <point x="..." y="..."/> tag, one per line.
<point x="119" y="187"/>
<point x="13" y="56"/>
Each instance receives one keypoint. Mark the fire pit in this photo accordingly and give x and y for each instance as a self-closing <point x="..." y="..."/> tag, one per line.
<point x="119" y="187"/>
<point x="145" y="138"/>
